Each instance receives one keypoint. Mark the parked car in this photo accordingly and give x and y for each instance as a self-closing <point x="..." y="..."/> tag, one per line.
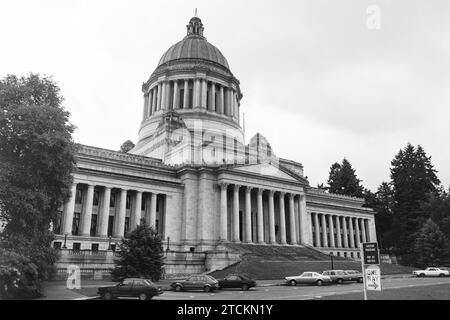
<point x="196" y="282"/>
<point x="354" y="275"/>
<point x="237" y="281"/>
<point x="131" y="287"/>
<point x="431" y="272"/>
<point x="339" y="276"/>
<point x="308" y="278"/>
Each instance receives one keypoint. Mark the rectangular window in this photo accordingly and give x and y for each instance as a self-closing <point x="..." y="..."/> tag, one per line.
<point x="57" y="223"/>
<point x="127" y="225"/>
<point x="128" y="202"/>
<point x="78" y="196"/>
<point x="191" y="98"/>
<point x="94" y="225"/>
<point x="76" y="224"/>
<point x="76" y="246"/>
<point x="112" y="200"/>
<point x="143" y="203"/>
<point x="110" y="225"/>
<point x="96" y="197"/>
<point x="94" y="247"/>
<point x="57" y="245"/>
<point x="182" y="98"/>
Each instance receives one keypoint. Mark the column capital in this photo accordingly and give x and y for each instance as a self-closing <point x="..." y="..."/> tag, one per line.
<point x="260" y="191"/>
<point x="271" y="192"/>
<point x="223" y="184"/>
<point x="248" y="188"/>
<point x="282" y="193"/>
<point x="237" y="187"/>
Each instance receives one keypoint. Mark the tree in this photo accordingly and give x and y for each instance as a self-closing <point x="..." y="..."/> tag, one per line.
<point x="140" y="255"/>
<point x="413" y="180"/>
<point x="342" y="180"/>
<point x="430" y="246"/>
<point x="127" y="146"/>
<point x="36" y="162"/>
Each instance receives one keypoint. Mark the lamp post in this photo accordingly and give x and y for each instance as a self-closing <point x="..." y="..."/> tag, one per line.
<point x="109" y="245"/>
<point x="331" y="256"/>
<point x="65" y="239"/>
<point x="168" y="243"/>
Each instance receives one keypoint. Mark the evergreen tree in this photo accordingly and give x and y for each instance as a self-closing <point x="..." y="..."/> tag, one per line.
<point x="413" y="179"/>
<point x="343" y="180"/>
<point x="140" y="255"/>
<point x="36" y="162"/>
<point x="430" y="246"/>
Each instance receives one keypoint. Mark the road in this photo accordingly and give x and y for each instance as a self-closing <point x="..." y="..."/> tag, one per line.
<point x="411" y="287"/>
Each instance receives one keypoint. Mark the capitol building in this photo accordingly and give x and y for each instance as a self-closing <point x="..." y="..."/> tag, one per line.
<point x="194" y="179"/>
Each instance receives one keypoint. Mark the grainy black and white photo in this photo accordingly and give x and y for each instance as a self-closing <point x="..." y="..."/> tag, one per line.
<point x="246" y="152"/>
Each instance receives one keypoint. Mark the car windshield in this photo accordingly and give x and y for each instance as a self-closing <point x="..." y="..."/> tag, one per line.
<point x="148" y="282"/>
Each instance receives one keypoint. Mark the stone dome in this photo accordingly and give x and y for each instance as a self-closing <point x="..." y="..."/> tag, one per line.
<point x="194" y="46"/>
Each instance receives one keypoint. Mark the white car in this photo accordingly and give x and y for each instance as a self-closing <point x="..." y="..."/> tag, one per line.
<point x="308" y="278"/>
<point x="431" y="272"/>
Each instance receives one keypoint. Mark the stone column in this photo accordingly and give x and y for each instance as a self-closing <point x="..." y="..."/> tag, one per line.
<point x="149" y="103"/>
<point x="144" y="114"/>
<point x="136" y="215"/>
<point x="352" y="236"/>
<point x="324" y="231"/>
<point x="282" y="219"/>
<point x="86" y="213"/>
<point x="153" y="200"/>
<point x="158" y="104"/>
<point x="213" y="96"/>
<point x="155" y="94"/>
<point x="120" y="216"/>
<point x="236" y="213"/>
<point x="272" y="239"/>
<point x="164" y="96"/>
<point x="102" y="229"/>
<point x="331" y="226"/>
<point x="293" y="228"/>
<point x="260" y="217"/>
<point x="363" y="230"/>
<point x="176" y="95"/>
<point x="358" y="234"/>
<point x="317" y="229"/>
<point x="338" y="232"/>
<point x="248" y="214"/>
<point x="372" y="235"/>
<point x="305" y="230"/>
<point x="204" y="93"/>
<point x="222" y="101"/>
<point x="186" y="94"/>
<point x="196" y="92"/>
<point x="345" y="235"/>
<point x="69" y="208"/>
<point x="223" y="212"/>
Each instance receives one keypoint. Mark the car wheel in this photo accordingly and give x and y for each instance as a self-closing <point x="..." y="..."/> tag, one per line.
<point x="319" y="282"/>
<point x="293" y="283"/>
<point x="244" y="287"/>
<point x="441" y="275"/>
<point x="421" y="275"/>
<point x="207" y="289"/>
<point x="178" y="288"/>
<point x="108" y="296"/>
<point x="339" y="281"/>
<point x="142" y="296"/>
<point x="360" y="280"/>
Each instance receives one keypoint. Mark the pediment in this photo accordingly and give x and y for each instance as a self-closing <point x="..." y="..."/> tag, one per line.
<point x="265" y="169"/>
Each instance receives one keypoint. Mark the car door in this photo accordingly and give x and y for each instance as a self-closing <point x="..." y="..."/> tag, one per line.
<point x="190" y="282"/>
<point x="124" y="288"/>
<point x="232" y="282"/>
<point x="306" y="278"/>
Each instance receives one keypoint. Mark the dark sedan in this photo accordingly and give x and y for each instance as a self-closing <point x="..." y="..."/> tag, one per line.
<point x="131" y="287"/>
<point x="237" y="281"/>
<point x="196" y="282"/>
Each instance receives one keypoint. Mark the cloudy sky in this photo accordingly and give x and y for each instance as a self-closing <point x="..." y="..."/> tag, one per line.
<point x="317" y="81"/>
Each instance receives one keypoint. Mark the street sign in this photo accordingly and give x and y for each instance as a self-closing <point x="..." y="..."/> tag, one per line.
<point x="370" y="253"/>
<point x="373" y="278"/>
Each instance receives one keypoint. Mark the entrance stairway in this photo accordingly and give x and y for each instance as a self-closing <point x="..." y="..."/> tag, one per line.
<point x="270" y="262"/>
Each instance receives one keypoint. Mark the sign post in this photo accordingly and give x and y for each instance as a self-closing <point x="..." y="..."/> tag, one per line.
<point x="372" y="275"/>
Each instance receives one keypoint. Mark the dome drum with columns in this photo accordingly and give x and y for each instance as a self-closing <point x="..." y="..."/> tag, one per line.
<point x="193" y="79"/>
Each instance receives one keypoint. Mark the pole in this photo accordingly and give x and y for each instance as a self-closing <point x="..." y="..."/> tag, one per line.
<point x="332" y="265"/>
<point x="65" y="238"/>
<point x="363" y="271"/>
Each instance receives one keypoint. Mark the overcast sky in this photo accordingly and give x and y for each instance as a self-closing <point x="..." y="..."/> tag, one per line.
<point x="317" y="82"/>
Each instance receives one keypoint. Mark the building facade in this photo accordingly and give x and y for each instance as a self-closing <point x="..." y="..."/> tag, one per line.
<point x="192" y="177"/>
